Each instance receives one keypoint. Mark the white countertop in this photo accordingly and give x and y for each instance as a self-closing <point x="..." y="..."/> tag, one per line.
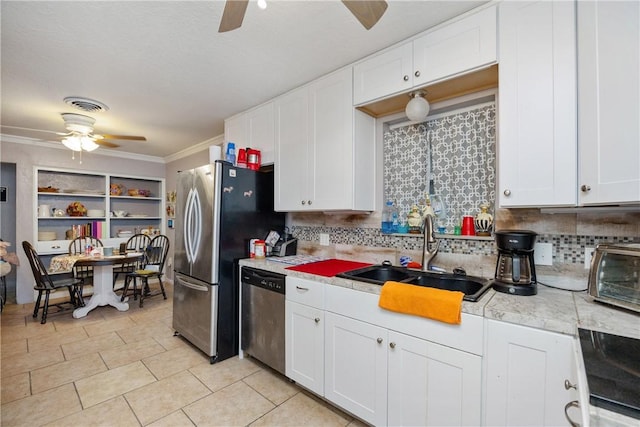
<point x="551" y="309"/>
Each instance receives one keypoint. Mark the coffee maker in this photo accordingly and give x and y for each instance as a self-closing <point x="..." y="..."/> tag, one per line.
<point x="515" y="269"/>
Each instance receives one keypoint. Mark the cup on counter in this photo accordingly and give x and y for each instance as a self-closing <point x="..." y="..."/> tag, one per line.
<point x="468" y="226"/>
<point x="107" y="251"/>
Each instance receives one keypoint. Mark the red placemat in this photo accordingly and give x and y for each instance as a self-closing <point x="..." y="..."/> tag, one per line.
<point x="328" y="268"/>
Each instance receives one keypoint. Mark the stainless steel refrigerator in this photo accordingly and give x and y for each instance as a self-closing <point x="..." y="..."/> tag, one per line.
<point x="219" y="208"/>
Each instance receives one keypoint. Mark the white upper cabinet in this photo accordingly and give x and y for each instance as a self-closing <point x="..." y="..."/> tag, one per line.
<point x="537" y="142"/>
<point x="254" y="128"/>
<point x="452" y="49"/>
<point x="609" y="102"/>
<point x="324" y="148"/>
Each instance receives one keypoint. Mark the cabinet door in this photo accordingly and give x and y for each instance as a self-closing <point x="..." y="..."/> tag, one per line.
<point x="235" y="130"/>
<point x="537" y="99"/>
<point x="304" y="338"/>
<point x="525" y="373"/>
<point x="291" y="166"/>
<point x="609" y="101"/>
<point x="432" y="385"/>
<point x="383" y="74"/>
<point x="331" y="142"/>
<point x="356" y="367"/>
<point x="455" y="48"/>
<point x="261" y="131"/>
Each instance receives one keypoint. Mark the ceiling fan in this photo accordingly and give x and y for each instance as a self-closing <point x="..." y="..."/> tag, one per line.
<point x="367" y="12"/>
<point x="80" y="135"/>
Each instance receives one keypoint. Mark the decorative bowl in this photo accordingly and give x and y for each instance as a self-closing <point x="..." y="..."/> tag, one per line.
<point x="76" y="209"/>
<point x="116" y="189"/>
<point x="136" y="192"/>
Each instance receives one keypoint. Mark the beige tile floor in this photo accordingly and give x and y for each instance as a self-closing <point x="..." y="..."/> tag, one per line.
<point x="116" y="368"/>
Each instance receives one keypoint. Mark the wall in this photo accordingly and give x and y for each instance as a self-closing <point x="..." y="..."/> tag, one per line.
<point x="28" y="155"/>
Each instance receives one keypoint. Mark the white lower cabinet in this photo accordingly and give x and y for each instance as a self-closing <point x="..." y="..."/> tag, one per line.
<point x="304" y="359"/>
<point x="432" y="385"/>
<point x="526" y="369"/>
<point x="304" y="333"/>
<point x="390" y="378"/>
<point x="356" y="367"/>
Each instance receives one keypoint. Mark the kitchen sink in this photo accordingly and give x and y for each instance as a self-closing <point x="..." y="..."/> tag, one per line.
<point x="472" y="287"/>
<point x="378" y="274"/>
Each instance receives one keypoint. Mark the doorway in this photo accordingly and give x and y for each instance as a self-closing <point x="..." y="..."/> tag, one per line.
<point x="8" y="220"/>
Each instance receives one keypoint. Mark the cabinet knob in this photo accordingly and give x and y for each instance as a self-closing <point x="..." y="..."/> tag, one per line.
<point x="304" y="202"/>
<point x="417" y="74"/>
<point x="585" y="188"/>
<point x="392" y="345"/>
<point x="507" y="192"/>
<point x="309" y="202"/>
<point x="379" y="340"/>
<point x="405" y="78"/>
<point x="572" y="404"/>
<point x="317" y="320"/>
<point x="568" y="385"/>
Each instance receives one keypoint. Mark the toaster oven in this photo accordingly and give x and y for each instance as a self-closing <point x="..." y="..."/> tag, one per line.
<point x="614" y="277"/>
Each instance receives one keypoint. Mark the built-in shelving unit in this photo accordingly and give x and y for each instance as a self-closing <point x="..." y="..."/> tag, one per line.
<point x="58" y="188"/>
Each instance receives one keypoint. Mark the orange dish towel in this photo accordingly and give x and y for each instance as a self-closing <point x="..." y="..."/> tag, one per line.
<point x="437" y="304"/>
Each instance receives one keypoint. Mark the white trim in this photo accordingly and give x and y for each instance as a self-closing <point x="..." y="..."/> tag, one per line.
<point x="216" y="140"/>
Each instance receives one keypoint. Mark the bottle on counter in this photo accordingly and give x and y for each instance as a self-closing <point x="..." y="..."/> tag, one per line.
<point x="390" y="218"/>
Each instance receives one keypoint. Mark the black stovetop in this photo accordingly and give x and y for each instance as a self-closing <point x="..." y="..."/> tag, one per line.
<point x="612" y="364"/>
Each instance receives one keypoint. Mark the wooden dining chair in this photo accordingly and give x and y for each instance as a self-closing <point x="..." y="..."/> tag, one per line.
<point x="78" y="246"/>
<point x="136" y="243"/>
<point x="45" y="284"/>
<point x="153" y="266"/>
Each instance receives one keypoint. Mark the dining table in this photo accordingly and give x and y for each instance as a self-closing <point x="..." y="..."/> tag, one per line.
<point x="103" y="293"/>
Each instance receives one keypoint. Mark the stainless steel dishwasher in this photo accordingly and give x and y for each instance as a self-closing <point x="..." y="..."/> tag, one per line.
<point x="263" y="316"/>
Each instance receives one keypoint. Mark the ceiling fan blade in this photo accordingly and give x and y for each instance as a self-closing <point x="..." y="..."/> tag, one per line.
<point x="103" y="143"/>
<point x="37" y="130"/>
<point x="367" y="12"/>
<point x="232" y="15"/>
<point x="122" y="137"/>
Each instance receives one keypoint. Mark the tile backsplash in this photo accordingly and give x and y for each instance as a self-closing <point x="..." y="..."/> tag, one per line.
<point x="569" y="233"/>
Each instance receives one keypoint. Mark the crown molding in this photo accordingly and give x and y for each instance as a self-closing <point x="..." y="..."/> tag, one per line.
<point x="204" y="145"/>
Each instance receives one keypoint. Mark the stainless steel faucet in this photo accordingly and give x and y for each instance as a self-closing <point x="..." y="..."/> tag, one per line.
<point x="431" y="244"/>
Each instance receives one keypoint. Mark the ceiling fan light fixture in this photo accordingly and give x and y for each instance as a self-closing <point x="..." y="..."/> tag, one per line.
<point x="417" y="108"/>
<point x="72" y="143"/>
<point x="88" y="144"/>
<point x="79" y="143"/>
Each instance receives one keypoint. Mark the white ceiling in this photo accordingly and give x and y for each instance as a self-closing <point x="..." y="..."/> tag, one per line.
<point x="164" y="70"/>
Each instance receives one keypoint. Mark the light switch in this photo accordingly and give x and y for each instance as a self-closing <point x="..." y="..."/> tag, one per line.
<point x="324" y="239"/>
<point x="543" y="253"/>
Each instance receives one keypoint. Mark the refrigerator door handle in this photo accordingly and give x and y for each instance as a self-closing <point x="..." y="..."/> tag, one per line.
<point x="188" y="210"/>
<point x="194" y="286"/>
<point x="197" y="231"/>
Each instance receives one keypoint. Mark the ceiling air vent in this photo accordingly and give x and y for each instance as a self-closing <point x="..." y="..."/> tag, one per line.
<point x="86" y="104"/>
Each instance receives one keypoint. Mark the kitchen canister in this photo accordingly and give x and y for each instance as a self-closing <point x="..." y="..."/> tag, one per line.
<point x="260" y="249"/>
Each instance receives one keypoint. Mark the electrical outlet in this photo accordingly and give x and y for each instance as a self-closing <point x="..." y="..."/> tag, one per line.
<point x="588" y="253"/>
<point x="324" y="239"/>
<point x="543" y="253"/>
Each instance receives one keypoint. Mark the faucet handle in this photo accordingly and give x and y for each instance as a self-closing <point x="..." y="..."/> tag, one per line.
<point x="459" y="271"/>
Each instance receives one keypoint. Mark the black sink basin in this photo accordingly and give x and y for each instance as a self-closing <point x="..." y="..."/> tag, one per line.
<point x="378" y="274"/>
<point x="472" y="287"/>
